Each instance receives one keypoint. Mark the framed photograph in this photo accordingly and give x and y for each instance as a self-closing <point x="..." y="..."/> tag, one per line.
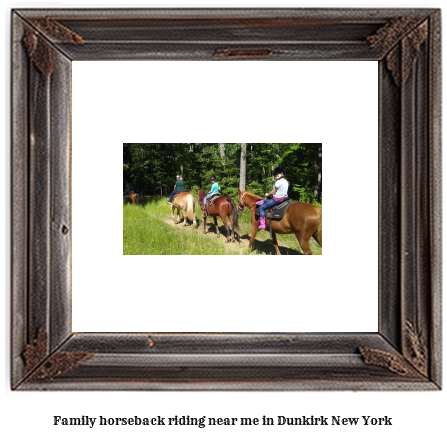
<point x="231" y="184"/>
<point x="50" y="352"/>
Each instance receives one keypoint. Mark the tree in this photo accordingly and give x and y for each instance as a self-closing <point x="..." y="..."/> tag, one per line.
<point x="222" y="154"/>
<point x="243" y="166"/>
<point x="150" y="168"/>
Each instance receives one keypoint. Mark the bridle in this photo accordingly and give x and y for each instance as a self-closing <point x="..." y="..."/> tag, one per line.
<point x="200" y="200"/>
<point x="241" y="206"/>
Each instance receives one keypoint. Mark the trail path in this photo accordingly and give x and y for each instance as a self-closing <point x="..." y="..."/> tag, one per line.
<point x="263" y="243"/>
<point x="230" y="248"/>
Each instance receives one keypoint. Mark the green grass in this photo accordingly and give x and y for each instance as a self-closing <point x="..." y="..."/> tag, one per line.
<point x="146" y="232"/>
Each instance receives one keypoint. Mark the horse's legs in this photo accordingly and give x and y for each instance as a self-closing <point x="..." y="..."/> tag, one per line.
<point x="275" y="243"/>
<point x="204" y="224"/>
<point x="172" y="213"/>
<point x="216" y="225"/>
<point x="185" y="222"/>
<point x="224" y="221"/>
<point x="254" y="231"/>
<point x="178" y="215"/>
<point x="304" y="243"/>
<point x="195" y="220"/>
<point x="232" y="232"/>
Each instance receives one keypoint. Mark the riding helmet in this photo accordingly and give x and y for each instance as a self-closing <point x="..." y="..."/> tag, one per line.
<point x="213" y="178"/>
<point x="278" y="170"/>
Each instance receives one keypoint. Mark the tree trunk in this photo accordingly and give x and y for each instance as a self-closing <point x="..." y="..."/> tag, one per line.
<point x="243" y="166"/>
<point x="222" y="154"/>
<point x="318" y="154"/>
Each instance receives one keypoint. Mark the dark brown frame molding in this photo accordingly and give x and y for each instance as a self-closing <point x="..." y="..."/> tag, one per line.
<point x="405" y="354"/>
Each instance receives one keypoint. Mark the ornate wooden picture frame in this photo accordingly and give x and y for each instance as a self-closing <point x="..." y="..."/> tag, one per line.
<point x="405" y="353"/>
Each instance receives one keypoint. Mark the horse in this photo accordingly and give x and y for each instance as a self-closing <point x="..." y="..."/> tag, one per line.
<point x="223" y="207"/>
<point x="300" y="218"/>
<point x="133" y="198"/>
<point x="184" y="201"/>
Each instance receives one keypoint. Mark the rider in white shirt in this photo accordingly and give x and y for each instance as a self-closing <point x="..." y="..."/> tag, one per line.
<point x="278" y="193"/>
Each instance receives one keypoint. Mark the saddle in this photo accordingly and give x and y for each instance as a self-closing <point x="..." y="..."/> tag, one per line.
<point x="209" y="202"/>
<point x="213" y="198"/>
<point x="276" y="212"/>
<point x="186" y="190"/>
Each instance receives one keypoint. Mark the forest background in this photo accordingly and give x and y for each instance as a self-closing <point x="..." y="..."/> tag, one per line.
<point x="150" y="168"/>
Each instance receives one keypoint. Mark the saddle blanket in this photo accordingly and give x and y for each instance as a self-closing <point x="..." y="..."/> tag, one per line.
<point x="213" y="198"/>
<point x="277" y="211"/>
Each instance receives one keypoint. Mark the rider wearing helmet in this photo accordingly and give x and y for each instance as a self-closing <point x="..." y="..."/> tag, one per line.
<point x="278" y="193"/>
<point x="214" y="189"/>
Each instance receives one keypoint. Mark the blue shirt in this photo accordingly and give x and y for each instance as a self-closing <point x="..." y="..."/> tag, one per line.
<point x="215" y="188"/>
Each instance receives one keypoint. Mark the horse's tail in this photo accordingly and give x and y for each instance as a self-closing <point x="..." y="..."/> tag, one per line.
<point x="137" y="199"/>
<point x="190" y="207"/>
<point x="318" y="235"/>
<point x="235" y="216"/>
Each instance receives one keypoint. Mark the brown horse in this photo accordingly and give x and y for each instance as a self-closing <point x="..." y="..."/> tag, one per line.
<point x="223" y="207"/>
<point x="302" y="219"/>
<point x="184" y="201"/>
<point x="133" y="198"/>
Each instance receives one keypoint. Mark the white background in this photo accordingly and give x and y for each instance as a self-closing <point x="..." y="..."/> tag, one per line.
<point x="414" y="414"/>
<point x="334" y="103"/>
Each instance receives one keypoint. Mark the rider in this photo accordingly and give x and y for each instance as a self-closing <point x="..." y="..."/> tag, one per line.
<point x="214" y="190"/>
<point x="278" y="193"/>
<point x="127" y="192"/>
<point x="178" y="187"/>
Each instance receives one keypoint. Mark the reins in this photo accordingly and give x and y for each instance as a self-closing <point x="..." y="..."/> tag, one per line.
<point x="241" y="207"/>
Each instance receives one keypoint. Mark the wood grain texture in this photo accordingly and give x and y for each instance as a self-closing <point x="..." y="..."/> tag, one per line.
<point x="39" y="144"/>
<point x="390" y="211"/>
<point x="405" y="354"/>
<point x="19" y="208"/>
<point x="60" y="202"/>
<point x="435" y="194"/>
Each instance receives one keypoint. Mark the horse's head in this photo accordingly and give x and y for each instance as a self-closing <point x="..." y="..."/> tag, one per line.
<point x="201" y="196"/>
<point x="241" y="201"/>
<point x="246" y="199"/>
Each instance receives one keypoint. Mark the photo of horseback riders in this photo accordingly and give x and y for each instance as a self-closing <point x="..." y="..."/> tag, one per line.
<point x="264" y="198"/>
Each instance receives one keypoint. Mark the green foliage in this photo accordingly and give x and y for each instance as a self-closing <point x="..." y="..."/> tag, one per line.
<point x="303" y="194"/>
<point x="194" y="189"/>
<point x="150" y="168"/>
<point x="256" y="188"/>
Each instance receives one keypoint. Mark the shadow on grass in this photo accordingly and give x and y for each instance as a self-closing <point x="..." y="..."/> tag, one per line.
<point x="211" y="228"/>
<point x="263" y="246"/>
<point x="266" y="247"/>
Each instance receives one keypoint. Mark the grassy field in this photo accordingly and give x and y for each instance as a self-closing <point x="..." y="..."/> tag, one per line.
<point x="148" y="230"/>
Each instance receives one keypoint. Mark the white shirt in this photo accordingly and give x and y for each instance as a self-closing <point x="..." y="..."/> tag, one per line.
<point x="282" y="186"/>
